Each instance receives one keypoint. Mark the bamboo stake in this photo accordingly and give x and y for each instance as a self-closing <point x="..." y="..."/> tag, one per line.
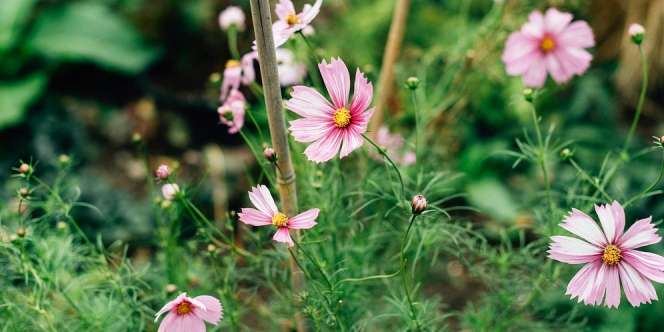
<point x="267" y="60"/>
<point x="392" y="48"/>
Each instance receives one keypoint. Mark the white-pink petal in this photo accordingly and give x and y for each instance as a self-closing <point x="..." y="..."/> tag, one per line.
<point x="581" y="225"/>
<point x="641" y="233"/>
<point x="337" y="81"/>
<point x="304" y="220"/>
<point x="212" y="313"/>
<point x="282" y="235"/>
<point x="254" y="217"/>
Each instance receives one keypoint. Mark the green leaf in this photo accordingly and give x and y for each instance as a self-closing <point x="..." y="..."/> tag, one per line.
<point x="492" y="198"/>
<point x="13" y="15"/>
<point x="16" y="96"/>
<point x="90" y="32"/>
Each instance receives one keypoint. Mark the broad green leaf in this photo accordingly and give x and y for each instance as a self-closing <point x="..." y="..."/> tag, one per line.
<point x="16" y="96"/>
<point x="90" y="32"/>
<point x="13" y="15"/>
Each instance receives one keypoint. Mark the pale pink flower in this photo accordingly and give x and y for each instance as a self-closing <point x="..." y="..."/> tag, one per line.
<point x="549" y="43"/>
<point x="335" y="127"/>
<point x="232" y="15"/>
<point x="266" y="213"/>
<point x="232" y="78"/>
<point x="186" y="314"/>
<point x="394" y="146"/>
<point x="290" y="22"/>
<point x="610" y="257"/>
<point x="169" y="191"/>
<point x="162" y="172"/>
<point x="290" y="71"/>
<point x="231" y="113"/>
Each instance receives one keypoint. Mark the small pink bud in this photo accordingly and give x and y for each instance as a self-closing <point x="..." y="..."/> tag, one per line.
<point x="636" y="32"/>
<point x="162" y="172"/>
<point x="169" y="191"/>
<point x="230" y="16"/>
<point x="24" y="168"/>
<point x="269" y="154"/>
<point x="419" y="204"/>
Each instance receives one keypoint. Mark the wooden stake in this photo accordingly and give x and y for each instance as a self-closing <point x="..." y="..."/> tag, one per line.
<point x="267" y="60"/>
<point x="392" y="48"/>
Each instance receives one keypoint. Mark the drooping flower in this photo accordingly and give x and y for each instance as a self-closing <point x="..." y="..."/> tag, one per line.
<point x="394" y="145"/>
<point x="232" y="78"/>
<point x="549" y="43"/>
<point x="266" y="213"/>
<point x="610" y="257"/>
<point x="232" y="15"/>
<point x="231" y="113"/>
<point x="335" y="127"/>
<point x="186" y="314"/>
<point x="290" y="22"/>
<point x="169" y="191"/>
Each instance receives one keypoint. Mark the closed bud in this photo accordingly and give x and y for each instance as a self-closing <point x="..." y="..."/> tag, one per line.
<point x="170" y="288"/>
<point x="64" y="160"/>
<point x="412" y="82"/>
<point x="636" y="32"/>
<point x="529" y="94"/>
<point x="162" y="172"/>
<point x="566" y="154"/>
<point x="419" y="204"/>
<point x="269" y="154"/>
<point x="211" y="247"/>
<point x="169" y="191"/>
<point x="21" y="232"/>
<point x="24" y="168"/>
<point x="24" y="192"/>
<point x="136" y="137"/>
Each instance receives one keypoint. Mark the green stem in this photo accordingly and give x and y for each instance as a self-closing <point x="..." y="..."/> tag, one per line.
<point x="541" y="157"/>
<point x="590" y="180"/>
<point x="404" y="275"/>
<point x="394" y="165"/>
<point x="232" y="42"/>
<point x="649" y="188"/>
<point x="419" y="138"/>
<point x="642" y="98"/>
<point x="258" y="128"/>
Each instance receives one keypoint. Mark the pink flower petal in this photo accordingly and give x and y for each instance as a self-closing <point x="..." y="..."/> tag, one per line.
<point x="573" y="246"/>
<point x="170" y="305"/>
<point x="556" y="21"/>
<point x="559" y="72"/>
<point x="612" y="287"/>
<point x="325" y="148"/>
<point x="309" y="12"/>
<point x="535" y="76"/>
<point x="284" y="8"/>
<point x="337" y="81"/>
<point x="307" y="102"/>
<point x="648" y="264"/>
<point x="351" y="141"/>
<point x="170" y="323"/>
<point x="580" y="224"/>
<point x="231" y="81"/>
<point x="304" y="220"/>
<point x="535" y="25"/>
<point x="637" y="289"/>
<point x="262" y="199"/>
<point x="306" y="130"/>
<point x="641" y="233"/>
<point x="610" y="220"/>
<point x="213" y="310"/>
<point x="362" y="93"/>
<point x="583" y="280"/>
<point x="282" y="235"/>
<point x="254" y="217"/>
<point x="189" y="323"/>
<point x="578" y="34"/>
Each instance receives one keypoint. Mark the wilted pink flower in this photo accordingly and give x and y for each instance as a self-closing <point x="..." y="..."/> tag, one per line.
<point x="549" y="43"/>
<point x="232" y="78"/>
<point x="266" y="213"/>
<point x="394" y="145"/>
<point x="187" y="314"/>
<point x="231" y="113"/>
<point x="290" y="22"/>
<point x="610" y="257"/>
<point x="335" y="127"/>
<point x="162" y="172"/>
<point x="232" y="15"/>
<point x="169" y="191"/>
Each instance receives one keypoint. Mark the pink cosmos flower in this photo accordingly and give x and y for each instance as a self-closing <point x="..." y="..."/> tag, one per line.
<point x="187" y="314"/>
<point x="231" y="113"/>
<point x="394" y="144"/>
<point x="266" y="213"/>
<point x="610" y="257"/>
<point x="232" y="78"/>
<point x="169" y="191"/>
<point x="290" y="22"/>
<point x="335" y="127"/>
<point x="232" y="15"/>
<point x="549" y="43"/>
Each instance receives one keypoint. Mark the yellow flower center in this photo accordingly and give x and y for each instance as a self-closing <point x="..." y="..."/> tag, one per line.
<point x="184" y="308"/>
<point x="342" y="117"/>
<point x="547" y="44"/>
<point x="611" y="255"/>
<point x="280" y="220"/>
<point x="292" y="19"/>
<point x="232" y="63"/>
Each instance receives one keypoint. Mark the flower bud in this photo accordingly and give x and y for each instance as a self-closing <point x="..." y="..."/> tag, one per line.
<point x="24" y="192"/>
<point x="529" y="94"/>
<point x="162" y="172"/>
<point x="211" y="248"/>
<point x="169" y="191"/>
<point x="269" y="154"/>
<point x="21" y="232"/>
<point x="661" y="139"/>
<point x="636" y="32"/>
<point x="64" y="160"/>
<point x="566" y="154"/>
<point x="231" y="16"/>
<point x="136" y="138"/>
<point x="24" y="168"/>
<point x="419" y="204"/>
<point x="412" y="82"/>
<point x="170" y="288"/>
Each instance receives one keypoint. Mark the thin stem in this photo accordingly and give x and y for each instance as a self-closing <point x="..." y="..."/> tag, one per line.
<point x="394" y="165"/>
<point x="232" y="42"/>
<point x="419" y="138"/>
<point x="258" y="128"/>
<point x="590" y="180"/>
<point x="541" y="157"/>
<point x="651" y="186"/>
<point x="642" y="98"/>
<point x="311" y="49"/>
<point x="312" y="67"/>
<point x="404" y="276"/>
